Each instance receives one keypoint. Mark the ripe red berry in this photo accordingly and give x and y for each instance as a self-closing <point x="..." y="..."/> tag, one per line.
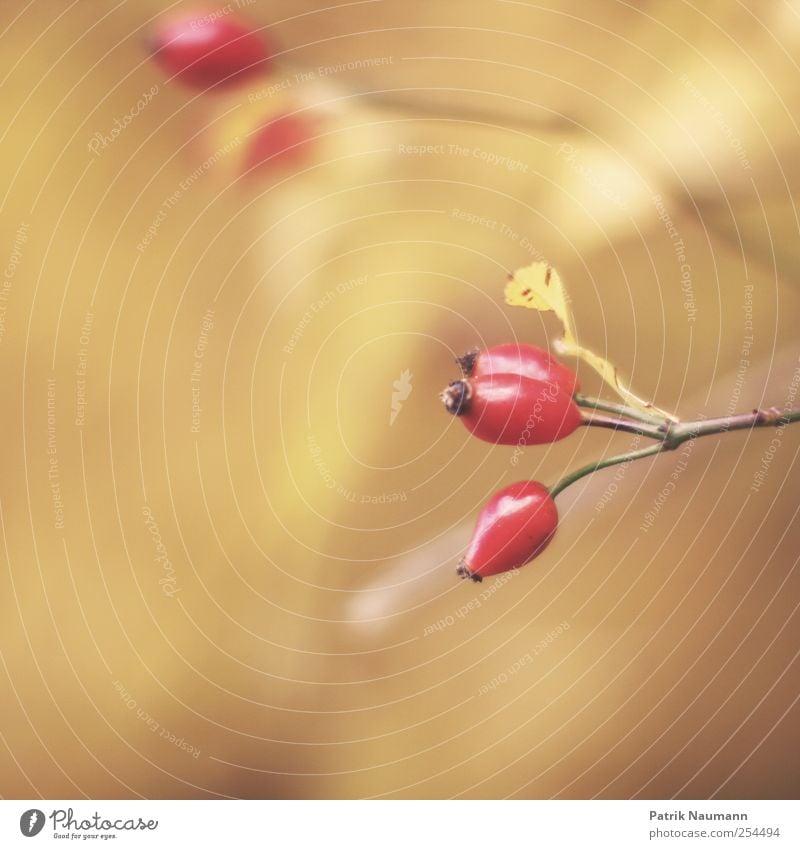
<point x="208" y="50"/>
<point x="527" y="360"/>
<point x="509" y="409"/>
<point x="283" y="141"/>
<point x="513" y="528"/>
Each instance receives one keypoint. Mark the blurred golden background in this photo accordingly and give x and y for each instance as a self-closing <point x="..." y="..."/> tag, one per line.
<point x="227" y="571"/>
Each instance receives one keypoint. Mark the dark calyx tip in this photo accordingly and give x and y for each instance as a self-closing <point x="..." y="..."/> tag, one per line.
<point x="463" y="571"/>
<point x="456" y="397"/>
<point x="467" y="362"/>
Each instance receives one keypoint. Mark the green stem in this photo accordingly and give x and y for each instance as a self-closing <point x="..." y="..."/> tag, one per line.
<point x="672" y="435"/>
<point x="617" y="409"/>
<point x="616" y="423"/>
<point x="570" y="479"/>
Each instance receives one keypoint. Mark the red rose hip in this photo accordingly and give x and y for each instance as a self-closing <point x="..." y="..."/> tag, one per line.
<point x="514" y="527"/>
<point x="508" y="409"/>
<point x="284" y="141"/>
<point x="527" y="360"/>
<point x="205" y="50"/>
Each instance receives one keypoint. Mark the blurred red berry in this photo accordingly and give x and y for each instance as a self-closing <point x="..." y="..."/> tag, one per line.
<point x="514" y="527"/>
<point x="509" y="409"/>
<point x="527" y="360"/>
<point x="283" y="141"/>
<point x="205" y="50"/>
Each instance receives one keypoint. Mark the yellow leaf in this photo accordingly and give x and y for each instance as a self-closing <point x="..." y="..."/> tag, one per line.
<point x="538" y="287"/>
<point x="610" y="375"/>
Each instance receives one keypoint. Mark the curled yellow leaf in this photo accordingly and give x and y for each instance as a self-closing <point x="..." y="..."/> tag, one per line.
<point x="539" y="287"/>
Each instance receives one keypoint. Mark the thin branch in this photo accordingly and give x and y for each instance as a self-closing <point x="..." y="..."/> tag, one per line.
<point x="625" y="425"/>
<point x="618" y="409"/>
<point x="673" y="435"/>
